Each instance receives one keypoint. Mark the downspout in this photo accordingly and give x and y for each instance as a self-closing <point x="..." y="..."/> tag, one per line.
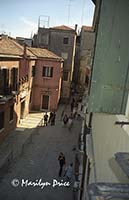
<point x="124" y="90"/>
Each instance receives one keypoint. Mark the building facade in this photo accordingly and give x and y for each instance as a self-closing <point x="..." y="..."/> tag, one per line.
<point x="15" y="84"/>
<point x="87" y="40"/>
<point x="47" y="80"/>
<point x="61" y="40"/>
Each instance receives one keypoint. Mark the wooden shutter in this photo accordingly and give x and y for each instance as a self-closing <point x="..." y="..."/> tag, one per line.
<point x="51" y="74"/>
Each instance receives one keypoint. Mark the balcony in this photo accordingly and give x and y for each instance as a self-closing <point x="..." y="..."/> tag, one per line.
<point x="6" y="94"/>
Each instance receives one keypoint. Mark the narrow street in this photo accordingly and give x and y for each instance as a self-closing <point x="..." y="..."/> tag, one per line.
<point x="40" y="161"/>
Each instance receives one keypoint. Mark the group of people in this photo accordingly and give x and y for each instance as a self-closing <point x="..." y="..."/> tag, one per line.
<point x="68" y="120"/>
<point x="49" y="119"/>
<point x="68" y="171"/>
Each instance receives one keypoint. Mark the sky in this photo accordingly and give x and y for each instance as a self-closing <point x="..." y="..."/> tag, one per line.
<point x="19" y="18"/>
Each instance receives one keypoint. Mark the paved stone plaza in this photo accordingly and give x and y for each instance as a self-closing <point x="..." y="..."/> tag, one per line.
<point x="40" y="161"/>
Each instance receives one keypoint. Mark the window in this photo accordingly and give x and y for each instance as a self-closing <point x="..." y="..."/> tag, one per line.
<point x="33" y="70"/>
<point x="64" y="55"/>
<point x="45" y="102"/>
<point x="11" y="113"/>
<point x="47" y="72"/>
<point x="65" y="76"/>
<point x="14" y="74"/>
<point x="65" y="40"/>
<point x="1" y="120"/>
<point x="5" y="74"/>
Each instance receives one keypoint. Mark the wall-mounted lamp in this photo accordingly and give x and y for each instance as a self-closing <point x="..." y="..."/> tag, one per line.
<point x="122" y="123"/>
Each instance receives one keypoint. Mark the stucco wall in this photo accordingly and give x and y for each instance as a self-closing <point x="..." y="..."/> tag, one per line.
<point x="109" y="139"/>
<point x="47" y="85"/>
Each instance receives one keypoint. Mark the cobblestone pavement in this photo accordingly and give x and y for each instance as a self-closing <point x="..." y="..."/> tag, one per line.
<point x="40" y="161"/>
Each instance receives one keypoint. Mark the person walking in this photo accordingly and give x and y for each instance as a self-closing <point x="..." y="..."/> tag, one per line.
<point x="72" y="104"/>
<point x="45" y="119"/>
<point x="53" y="118"/>
<point x="62" y="114"/>
<point x="50" y="117"/>
<point x="69" y="172"/>
<point x="62" y="162"/>
<point x="65" y="119"/>
<point x="70" y="121"/>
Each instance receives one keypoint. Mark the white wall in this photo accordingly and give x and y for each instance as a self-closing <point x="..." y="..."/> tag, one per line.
<point x="109" y="139"/>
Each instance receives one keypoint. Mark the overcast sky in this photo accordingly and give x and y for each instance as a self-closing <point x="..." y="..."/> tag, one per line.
<point x="20" y="17"/>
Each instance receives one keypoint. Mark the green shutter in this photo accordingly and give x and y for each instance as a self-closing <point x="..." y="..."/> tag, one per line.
<point x="110" y="76"/>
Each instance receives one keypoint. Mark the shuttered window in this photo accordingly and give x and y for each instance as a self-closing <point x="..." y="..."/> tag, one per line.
<point x="5" y="82"/>
<point x="14" y="78"/>
<point x="33" y="70"/>
<point x="47" y="72"/>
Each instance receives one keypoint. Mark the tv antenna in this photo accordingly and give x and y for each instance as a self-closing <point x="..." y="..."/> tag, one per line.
<point x="69" y="10"/>
<point x="43" y="21"/>
<point x="83" y="8"/>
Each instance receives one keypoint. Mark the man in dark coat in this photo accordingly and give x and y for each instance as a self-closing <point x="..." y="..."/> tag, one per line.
<point x="62" y="162"/>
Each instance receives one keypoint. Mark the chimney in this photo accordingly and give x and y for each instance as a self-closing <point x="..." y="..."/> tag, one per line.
<point x="75" y="27"/>
<point x="24" y="50"/>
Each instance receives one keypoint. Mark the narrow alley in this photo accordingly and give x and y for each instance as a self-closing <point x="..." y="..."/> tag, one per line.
<point x="40" y="161"/>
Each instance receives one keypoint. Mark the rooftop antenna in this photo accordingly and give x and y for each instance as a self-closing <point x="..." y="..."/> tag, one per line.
<point x="69" y="10"/>
<point x="83" y="6"/>
<point x="43" y="21"/>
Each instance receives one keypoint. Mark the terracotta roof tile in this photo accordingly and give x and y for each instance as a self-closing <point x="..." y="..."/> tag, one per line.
<point x="87" y="28"/>
<point x="44" y="53"/>
<point x="8" y="46"/>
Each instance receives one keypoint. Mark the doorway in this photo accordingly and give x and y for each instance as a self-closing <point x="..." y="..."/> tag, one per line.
<point x="22" y="110"/>
<point x="45" y="102"/>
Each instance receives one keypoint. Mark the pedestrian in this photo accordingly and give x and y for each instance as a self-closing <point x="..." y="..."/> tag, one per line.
<point x="65" y="119"/>
<point x="50" y="117"/>
<point x="53" y="118"/>
<point x="62" y="162"/>
<point x="69" y="172"/>
<point x="72" y="106"/>
<point x="70" y="122"/>
<point x="45" y="119"/>
<point x="74" y="112"/>
<point x="62" y="114"/>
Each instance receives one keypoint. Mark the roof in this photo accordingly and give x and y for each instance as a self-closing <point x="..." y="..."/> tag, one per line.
<point x="87" y="28"/>
<point x="9" y="47"/>
<point x="63" y="27"/>
<point x="44" y="53"/>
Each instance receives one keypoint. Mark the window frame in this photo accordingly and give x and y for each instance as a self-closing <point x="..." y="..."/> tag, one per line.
<point x="33" y="72"/>
<point x="66" y="40"/>
<point x="47" y="72"/>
